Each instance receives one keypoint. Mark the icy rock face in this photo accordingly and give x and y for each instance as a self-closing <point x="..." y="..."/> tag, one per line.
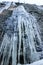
<point x="5" y="50"/>
<point x="6" y="7"/>
<point x="20" y="39"/>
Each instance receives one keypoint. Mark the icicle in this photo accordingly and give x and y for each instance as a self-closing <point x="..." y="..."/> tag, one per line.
<point x="14" y="52"/>
<point x="19" y="27"/>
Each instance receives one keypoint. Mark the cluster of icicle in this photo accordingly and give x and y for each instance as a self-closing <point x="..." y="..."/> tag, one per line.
<point x="20" y="28"/>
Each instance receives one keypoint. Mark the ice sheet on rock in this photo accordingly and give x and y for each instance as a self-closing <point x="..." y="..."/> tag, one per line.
<point x="40" y="7"/>
<point x="14" y="4"/>
<point x="6" y="7"/>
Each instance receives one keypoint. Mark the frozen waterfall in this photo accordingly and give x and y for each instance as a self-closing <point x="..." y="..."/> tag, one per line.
<point x="20" y="40"/>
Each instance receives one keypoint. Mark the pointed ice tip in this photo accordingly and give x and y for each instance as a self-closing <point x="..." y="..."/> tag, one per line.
<point x="20" y="8"/>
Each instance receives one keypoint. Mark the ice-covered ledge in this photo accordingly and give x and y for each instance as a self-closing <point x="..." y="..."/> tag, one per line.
<point x="40" y="62"/>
